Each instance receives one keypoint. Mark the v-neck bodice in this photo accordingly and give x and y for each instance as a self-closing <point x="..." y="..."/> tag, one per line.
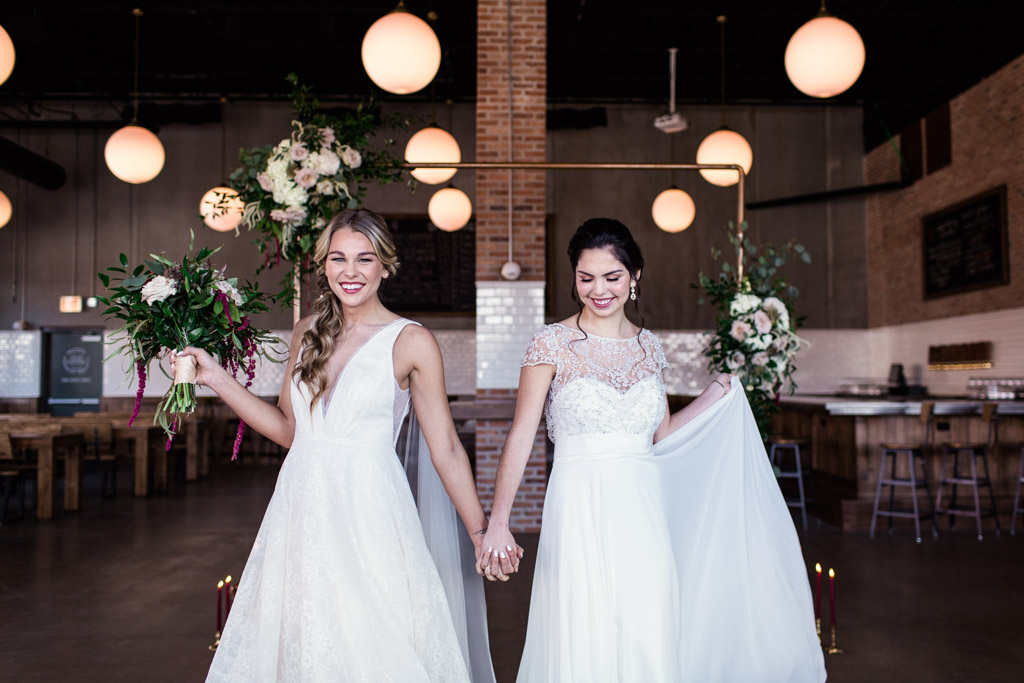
<point x="365" y="402"/>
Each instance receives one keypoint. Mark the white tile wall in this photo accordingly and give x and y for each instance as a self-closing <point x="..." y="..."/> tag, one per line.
<point x="458" y="349"/>
<point x="21" y="359"/>
<point x="507" y="315"/>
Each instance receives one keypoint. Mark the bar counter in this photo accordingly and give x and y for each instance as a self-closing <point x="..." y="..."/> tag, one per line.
<point x="846" y="436"/>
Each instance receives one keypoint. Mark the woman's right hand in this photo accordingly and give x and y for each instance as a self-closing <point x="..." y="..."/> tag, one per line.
<point x="499" y="554"/>
<point x="208" y="370"/>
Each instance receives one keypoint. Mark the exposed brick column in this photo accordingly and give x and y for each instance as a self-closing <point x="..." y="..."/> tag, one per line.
<point x="503" y="331"/>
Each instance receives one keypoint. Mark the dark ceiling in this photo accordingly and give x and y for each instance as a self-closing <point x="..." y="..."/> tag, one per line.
<point x="920" y="53"/>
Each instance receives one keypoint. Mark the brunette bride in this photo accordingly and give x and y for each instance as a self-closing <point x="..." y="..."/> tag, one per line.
<point x="667" y="552"/>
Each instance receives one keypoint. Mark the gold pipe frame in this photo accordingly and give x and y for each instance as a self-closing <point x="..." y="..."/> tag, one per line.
<point x="574" y="166"/>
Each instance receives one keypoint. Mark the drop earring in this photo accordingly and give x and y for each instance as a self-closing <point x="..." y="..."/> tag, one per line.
<point x="632" y="291"/>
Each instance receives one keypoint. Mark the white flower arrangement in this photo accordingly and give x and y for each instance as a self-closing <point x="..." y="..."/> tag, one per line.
<point x="765" y="343"/>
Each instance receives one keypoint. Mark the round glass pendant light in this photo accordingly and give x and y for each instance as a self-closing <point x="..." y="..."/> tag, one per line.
<point x="134" y="154"/>
<point x="5" y="210"/>
<point x="724" y="146"/>
<point x="221" y="209"/>
<point x="673" y="210"/>
<point x="433" y="144"/>
<point x="401" y="53"/>
<point x="6" y="55"/>
<point x="450" y="209"/>
<point x="825" y="56"/>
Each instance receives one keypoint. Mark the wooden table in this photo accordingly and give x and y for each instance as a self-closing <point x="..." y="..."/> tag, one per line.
<point x="146" y="440"/>
<point x="47" y="445"/>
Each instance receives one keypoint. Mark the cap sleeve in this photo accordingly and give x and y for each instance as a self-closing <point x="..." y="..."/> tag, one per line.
<point x="659" y="353"/>
<point x="543" y="348"/>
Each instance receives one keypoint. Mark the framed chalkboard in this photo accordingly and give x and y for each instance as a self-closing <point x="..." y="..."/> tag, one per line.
<point x="965" y="246"/>
<point x="437" y="269"/>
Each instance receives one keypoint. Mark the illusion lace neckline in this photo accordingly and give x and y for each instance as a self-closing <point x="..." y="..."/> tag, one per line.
<point x="597" y="336"/>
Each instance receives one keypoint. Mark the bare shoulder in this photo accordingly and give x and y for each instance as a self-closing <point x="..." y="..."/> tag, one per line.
<point x="414" y="341"/>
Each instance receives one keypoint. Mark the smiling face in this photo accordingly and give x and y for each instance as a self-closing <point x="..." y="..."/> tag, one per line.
<point x="602" y="282"/>
<point x="352" y="268"/>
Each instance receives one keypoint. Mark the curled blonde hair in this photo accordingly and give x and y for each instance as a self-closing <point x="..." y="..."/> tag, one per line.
<point x="318" y="340"/>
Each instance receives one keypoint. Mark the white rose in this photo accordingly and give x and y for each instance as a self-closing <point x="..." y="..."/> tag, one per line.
<point x="735" y="361"/>
<point x="351" y="157"/>
<point x="158" y="289"/>
<point x="325" y="187"/>
<point x="278" y="170"/>
<point x="776" y="306"/>
<point x="762" y="322"/>
<point x="760" y="358"/>
<point x="758" y="342"/>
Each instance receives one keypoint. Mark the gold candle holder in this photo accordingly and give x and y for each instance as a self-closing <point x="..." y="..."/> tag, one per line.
<point x="833" y="649"/>
<point x="216" y="641"/>
<point x="817" y="628"/>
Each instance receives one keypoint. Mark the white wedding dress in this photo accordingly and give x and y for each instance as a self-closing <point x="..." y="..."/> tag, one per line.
<point x="340" y="584"/>
<point x="659" y="563"/>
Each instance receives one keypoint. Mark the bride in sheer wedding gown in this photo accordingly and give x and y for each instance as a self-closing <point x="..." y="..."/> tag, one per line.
<point x="341" y="583"/>
<point x="667" y="553"/>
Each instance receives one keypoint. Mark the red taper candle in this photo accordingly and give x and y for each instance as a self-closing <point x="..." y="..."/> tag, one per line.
<point x="227" y="597"/>
<point x="220" y="591"/>
<point x="831" y="597"/>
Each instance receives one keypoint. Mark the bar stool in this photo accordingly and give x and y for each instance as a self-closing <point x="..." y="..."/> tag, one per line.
<point x="1017" y="509"/>
<point x="914" y="454"/>
<point x="972" y="452"/>
<point x="779" y="447"/>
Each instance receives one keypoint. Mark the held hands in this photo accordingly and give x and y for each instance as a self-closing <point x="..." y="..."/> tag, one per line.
<point x="498" y="555"/>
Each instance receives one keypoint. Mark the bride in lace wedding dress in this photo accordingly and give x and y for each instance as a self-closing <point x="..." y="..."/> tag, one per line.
<point x="341" y="584"/>
<point x="667" y="552"/>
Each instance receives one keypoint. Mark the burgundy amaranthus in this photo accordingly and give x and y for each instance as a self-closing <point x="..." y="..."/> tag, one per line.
<point x="140" y="368"/>
<point x="250" y="374"/>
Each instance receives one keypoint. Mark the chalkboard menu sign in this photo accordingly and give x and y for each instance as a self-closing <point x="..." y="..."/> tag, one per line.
<point x="965" y="246"/>
<point x="437" y="271"/>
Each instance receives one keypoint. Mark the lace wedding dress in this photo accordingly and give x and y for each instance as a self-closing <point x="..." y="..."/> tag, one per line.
<point x="659" y="563"/>
<point x="340" y="584"/>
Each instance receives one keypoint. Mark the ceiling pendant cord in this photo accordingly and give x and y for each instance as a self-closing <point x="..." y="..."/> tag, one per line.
<point x="721" y="24"/>
<point x="137" y="13"/>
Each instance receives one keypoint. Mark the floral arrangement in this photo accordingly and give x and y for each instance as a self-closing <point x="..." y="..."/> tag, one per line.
<point x="169" y="305"/>
<point x="292" y="189"/>
<point x="755" y="335"/>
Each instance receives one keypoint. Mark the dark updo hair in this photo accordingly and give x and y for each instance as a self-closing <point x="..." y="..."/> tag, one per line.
<point x="599" y="233"/>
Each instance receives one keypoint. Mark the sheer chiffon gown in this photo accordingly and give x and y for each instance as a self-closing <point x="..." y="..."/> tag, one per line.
<point x="340" y="585"/>
<point x="659" y="563"/>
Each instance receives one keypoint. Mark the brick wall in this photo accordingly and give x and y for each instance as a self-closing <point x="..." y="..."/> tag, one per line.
<point x="987" y="128"/>
<point x="529" y="87"/>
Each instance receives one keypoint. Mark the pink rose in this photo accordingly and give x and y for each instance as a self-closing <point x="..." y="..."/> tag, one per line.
<point x="265" y="182"/>
<point x="739" y="330"/>
<point x="279" y="216"/>
<point x="328" y="136"/>
<point x="307" y="177"/>
<point x="298" y="152"/>
<point x="762" y="322"/>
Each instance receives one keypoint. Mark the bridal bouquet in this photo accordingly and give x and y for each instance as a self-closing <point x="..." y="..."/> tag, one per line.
<point x="755" y="335"/>
<point x="292" y="189"/>
<point x="170" y="305"/>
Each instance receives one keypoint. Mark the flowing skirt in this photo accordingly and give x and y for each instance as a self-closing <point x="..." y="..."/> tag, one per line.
<point x="340" y="585"/>
<point x="677" y="563"/>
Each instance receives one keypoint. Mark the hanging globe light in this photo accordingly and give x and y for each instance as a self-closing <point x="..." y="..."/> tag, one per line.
<point x="221" y="209"/>
<point x="6" y="55"/>
<point x="450" y="209"/>
<point x="5" y="210"/>
<point x="134" y="154"/>
<point x="825" y="56"/>
<point x="724" y="146"/>
<point x="401" y="53"/>
<point x="433" y="144"/>
<point x="673" y="210"/>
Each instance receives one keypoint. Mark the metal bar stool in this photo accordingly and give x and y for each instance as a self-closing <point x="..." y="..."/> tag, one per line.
<point x="914" y="454"/>
<point x="971" y="452"/>
<point x="779" y="447"/>
<point x="1017" y="509"/>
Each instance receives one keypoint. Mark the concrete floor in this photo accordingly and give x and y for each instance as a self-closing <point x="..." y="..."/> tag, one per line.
<point x="121" y="592"/>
